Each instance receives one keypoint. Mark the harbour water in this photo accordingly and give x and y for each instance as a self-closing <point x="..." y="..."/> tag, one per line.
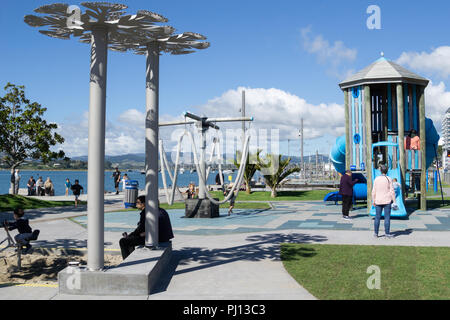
<point x="59" y="177"/>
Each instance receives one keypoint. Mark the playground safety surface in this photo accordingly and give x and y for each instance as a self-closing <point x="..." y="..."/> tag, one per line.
<point x="282" y="216"/>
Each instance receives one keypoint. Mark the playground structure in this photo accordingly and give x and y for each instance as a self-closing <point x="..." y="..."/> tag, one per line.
<point x="205" y="206"/>
<point x="384" y="104"/>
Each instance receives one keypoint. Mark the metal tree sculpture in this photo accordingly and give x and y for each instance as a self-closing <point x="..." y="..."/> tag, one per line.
<point x="106" y="26"/>
<point x="64" y="21"/>
<point x="103" y="25"/>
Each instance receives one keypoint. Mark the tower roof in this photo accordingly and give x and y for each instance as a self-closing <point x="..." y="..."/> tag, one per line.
<point x="383" y="71"/>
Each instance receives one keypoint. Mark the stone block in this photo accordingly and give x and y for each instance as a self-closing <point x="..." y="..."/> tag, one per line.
<point x="201" y="208"/>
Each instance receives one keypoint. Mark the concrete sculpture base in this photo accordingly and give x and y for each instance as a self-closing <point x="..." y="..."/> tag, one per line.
<point x="201" y="208"/>
<point x="137" y="275"/>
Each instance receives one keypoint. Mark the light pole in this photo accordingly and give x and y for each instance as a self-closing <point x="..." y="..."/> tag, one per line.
<point x="300" y="133"/>
<point x="103" y="25"/>
<point x="289" y="153"/>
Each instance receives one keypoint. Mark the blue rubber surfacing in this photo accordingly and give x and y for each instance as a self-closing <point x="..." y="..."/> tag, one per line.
<point x="284" y="215"/>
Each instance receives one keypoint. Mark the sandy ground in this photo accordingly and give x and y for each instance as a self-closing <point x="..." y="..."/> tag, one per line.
<point x="42" y="265"/>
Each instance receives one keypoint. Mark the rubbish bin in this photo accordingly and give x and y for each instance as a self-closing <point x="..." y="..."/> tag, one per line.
<point x="131" y="193"/>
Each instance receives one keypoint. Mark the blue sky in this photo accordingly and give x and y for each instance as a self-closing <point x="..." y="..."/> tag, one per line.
<point x="290" y="52"/>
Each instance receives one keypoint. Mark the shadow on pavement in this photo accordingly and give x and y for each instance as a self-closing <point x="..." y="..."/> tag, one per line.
<point x="261" y="247"/>
<point x="64" y="243"/>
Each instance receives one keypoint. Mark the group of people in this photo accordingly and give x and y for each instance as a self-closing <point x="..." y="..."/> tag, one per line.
<point x="40" y="188"/>
<point x="384" y="193"/>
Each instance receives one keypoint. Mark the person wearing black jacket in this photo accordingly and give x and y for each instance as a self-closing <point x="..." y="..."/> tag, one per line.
<point x="346" y="190"/>
<point x="137" y="237"/>
<point x="22" y="225"/>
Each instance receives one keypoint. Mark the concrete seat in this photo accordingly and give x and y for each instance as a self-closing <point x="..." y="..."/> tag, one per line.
<point x="137" y="275"/>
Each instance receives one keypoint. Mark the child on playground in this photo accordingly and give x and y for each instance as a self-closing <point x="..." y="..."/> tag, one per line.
<point x="232" y="199"/>
<point x="396" y="186"/>
<point x="77" y="189"/>
<point x="68" y="186"/>
<point x="25" y="232"/>
<point x="191" y="192"/>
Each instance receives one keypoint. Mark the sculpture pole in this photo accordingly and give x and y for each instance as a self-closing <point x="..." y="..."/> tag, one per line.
<point x="202" y="130"/>
<point x="96" y="152"/>
<point x="151" y="146"/>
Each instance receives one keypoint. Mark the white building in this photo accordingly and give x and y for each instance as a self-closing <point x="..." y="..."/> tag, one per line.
<point x="446" y="137"/>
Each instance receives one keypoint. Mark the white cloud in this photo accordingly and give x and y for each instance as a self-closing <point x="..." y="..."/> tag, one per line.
<point x="132" y="117"/>
<point x="123" y="135"/>
<point x="436" y="62"/>
<point x="333" y="55"/>
<point x="437" y="101"/>
<point x="275" y="108"/>
<point x="271" y="108"/>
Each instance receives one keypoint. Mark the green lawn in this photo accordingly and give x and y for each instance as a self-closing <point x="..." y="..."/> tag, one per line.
<point x="9" y="202"/>
<point x="340" y="271"/>
<point x="282" y="195"/>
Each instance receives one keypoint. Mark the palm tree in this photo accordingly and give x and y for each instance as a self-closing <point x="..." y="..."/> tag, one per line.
<point x="274" y="174"/>
<point x="251" y="166"/>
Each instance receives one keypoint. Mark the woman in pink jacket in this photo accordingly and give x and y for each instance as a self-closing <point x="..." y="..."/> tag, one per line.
<point x="383" y="195"/>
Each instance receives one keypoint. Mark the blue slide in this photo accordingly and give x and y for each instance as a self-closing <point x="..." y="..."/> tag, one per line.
<point x="359" y="190"/>
<point x="337" y="157"/>
<point x="333" y="196"/>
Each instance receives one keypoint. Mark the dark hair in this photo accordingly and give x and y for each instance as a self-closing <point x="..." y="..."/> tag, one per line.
<point x="383" y="169"/>
<point x="141" y="199"/>
<point x="19" y="212"/>
<point x="76" y="181"/>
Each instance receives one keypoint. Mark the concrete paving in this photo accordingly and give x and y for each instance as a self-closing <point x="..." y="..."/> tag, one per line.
<point x="233" y="265"/>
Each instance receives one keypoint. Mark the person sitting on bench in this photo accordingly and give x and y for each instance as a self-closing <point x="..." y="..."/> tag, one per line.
<point x="137" y="237"/>
<point x="25" y="232"/>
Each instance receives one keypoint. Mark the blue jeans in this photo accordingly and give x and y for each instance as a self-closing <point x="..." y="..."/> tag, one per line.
<point x="387" y="217"/>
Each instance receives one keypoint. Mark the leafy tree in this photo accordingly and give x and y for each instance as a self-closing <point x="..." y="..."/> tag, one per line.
<point x="24" y="134"/>
<point x="274" y="170"/>
<point x="251" y="166"/>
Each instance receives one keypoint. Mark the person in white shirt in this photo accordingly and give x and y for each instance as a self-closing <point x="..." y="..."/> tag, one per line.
<point x="16" y="182"/>
<point x="124" y="179"/>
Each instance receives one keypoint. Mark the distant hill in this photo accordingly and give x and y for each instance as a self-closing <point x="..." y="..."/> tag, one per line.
<point x="137" y="160"/>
